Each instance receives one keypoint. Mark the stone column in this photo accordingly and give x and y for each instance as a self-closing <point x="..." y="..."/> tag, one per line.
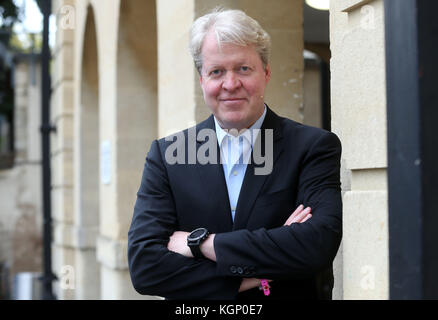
<point x="127" y="125"/>
<point x="86" y="155"/>
<point x="176" y="73"/>
<point x="62" y="151"/>
<point x="358" y="94"/>
<point x="20" y="185"/>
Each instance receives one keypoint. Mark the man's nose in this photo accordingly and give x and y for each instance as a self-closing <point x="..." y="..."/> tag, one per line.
<point x="231" y="82"/>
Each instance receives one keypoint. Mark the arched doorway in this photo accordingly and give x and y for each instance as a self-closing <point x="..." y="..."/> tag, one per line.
<point x="136" y="105"/>
<point x="125" y="138"/>
<point x="86" y="185"/>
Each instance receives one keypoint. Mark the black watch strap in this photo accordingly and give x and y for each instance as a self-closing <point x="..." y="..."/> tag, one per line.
<point x="194" y="240"/>
<point x="196" y="251"/>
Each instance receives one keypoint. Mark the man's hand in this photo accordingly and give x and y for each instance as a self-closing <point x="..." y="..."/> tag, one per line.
<point x="249" y="283"/>
<point x="178" y="240"/>
<point x="178" y="243"/>
<point x="299" y="215"/>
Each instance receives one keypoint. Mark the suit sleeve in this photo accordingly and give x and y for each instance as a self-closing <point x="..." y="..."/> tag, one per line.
<point x="153" y="268"/>
<point x="298" y="250"/>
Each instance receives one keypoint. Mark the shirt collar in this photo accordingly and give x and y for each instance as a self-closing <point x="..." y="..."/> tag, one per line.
<point x="221" y="133"/>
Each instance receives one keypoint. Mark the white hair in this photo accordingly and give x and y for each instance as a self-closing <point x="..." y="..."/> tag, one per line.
<point x="229" y="26"/>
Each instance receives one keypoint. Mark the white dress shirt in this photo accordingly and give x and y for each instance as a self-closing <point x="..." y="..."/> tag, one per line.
<point x="235" y="155"/>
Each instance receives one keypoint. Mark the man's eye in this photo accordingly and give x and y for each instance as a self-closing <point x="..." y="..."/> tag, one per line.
<point x="215" y="72"/>
<point x="244" y="68"/>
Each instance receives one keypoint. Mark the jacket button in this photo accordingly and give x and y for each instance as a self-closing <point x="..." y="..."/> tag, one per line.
<point x="239" y="270"/>
<point x="233" y="269"/>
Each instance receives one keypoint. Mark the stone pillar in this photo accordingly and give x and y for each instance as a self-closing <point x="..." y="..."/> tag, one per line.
<point x="20" y="185"/>
<point x="62" y="149"/>
<point x="127" y="125"/>
<point x="358" y="94"/>
<point x="86" y="155"/>
<point x="177" y="76"/>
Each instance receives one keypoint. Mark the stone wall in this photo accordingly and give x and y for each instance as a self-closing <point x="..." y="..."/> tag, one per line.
<point x="358" y="99"/>
<point x="116" y="89"/>
<point x="20" y="186"/>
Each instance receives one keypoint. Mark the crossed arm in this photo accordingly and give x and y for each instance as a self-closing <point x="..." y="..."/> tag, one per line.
<point x="178" y="243"/>
<point x="159" y="259"/>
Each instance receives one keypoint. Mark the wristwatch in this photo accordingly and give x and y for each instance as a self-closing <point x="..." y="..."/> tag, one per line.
<point x="194" y="240"/>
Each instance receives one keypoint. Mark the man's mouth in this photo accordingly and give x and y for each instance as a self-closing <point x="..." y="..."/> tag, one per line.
<point x="231" y="99"/>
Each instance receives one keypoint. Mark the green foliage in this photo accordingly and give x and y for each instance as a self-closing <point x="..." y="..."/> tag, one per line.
<point x="28" y="43"/>
<point x="8" y="13"/>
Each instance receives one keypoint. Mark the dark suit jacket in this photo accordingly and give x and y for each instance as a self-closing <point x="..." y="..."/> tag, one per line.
<point x="306" y="170"/>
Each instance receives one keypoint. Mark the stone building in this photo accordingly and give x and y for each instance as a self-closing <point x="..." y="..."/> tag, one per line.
<point x="20" y="178"/>
<point x="122" y="76"/>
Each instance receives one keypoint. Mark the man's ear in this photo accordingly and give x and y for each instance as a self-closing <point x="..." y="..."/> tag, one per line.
<point x="201" y="79"/>
<point x="267" y="73"/>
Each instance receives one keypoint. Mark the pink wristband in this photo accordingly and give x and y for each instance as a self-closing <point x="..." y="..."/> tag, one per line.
<point x="265" y="287"/>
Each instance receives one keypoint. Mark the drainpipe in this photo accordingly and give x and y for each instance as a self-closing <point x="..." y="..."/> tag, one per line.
<point x="46" y="128"/>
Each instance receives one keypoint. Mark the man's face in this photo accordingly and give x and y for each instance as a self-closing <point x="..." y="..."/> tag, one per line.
<point x="233" y="81"/>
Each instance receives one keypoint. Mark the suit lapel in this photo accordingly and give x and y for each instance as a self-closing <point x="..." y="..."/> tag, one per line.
<point x="253" y="183"/>
<point x="214" y="186"/>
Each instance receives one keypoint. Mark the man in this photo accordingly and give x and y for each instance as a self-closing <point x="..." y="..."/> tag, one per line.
<point x="215" y="230"/>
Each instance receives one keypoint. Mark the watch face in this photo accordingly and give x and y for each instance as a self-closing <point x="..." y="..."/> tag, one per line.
<point x="198" y="233"/>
